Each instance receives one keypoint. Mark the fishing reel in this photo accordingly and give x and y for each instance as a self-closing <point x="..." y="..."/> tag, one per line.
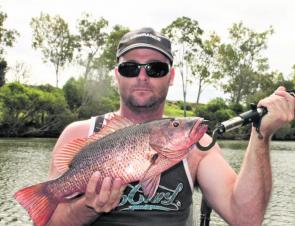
<point x="252" y="116"/>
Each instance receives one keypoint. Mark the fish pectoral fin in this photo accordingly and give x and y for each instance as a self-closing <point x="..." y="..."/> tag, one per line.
<point x="150" y="185"/>
<point x="65" y="155"/>
<point x="168" y="153"/>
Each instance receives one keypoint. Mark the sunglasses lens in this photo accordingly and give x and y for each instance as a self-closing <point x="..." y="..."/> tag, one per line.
<point x="129" y="69"/>
<point x="153" y="69"/>
<point x="157" y="69"/>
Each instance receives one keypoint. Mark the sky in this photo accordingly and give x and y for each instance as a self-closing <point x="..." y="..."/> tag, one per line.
<point x="212" y="15"/>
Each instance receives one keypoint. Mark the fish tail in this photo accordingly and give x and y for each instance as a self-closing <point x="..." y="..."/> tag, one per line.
<point x="38" y="204"/>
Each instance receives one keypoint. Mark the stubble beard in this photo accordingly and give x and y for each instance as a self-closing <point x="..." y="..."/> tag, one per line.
<point x="152" y="104"/>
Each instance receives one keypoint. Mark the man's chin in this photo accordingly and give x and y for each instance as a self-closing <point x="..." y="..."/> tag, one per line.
<point x="142" y="105"/>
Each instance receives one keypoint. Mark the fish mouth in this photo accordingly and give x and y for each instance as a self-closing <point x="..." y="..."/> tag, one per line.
<point x="199" y="129"/>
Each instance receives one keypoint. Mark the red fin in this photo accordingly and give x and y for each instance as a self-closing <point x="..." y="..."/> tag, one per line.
<point x="63" y="158"/>
<point x="113" y="124"/>
<point x="39" y="206"/>
<point x="170" y="154"/>
<point x="150" y="186"/>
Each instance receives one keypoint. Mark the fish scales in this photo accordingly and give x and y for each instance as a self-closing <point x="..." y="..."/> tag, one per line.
<point x="134" y="153"/>
<point x="124" y="149"/>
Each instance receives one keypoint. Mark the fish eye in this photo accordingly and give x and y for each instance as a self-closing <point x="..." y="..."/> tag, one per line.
<point x="175" y="123"/>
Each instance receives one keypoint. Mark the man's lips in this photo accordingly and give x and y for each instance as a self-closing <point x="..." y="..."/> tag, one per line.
<point x="141" y="90"/>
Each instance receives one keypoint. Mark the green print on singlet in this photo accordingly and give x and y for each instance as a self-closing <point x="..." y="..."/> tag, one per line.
<point x="165" y="199"/>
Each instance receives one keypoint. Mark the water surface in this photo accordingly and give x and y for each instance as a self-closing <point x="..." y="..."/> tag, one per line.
<point x="25" y="162"/>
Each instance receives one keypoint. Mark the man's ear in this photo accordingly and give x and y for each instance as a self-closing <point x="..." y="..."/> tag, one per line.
<point x="116" y="73"/>
<point x="172" y="74"/>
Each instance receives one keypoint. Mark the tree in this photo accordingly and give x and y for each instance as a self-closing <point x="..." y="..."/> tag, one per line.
<point x="51" y="35"/>
<point x="28" y="110"/>
<point x="21" y="72"/>
<point x="185" y="34"/>
<point x="108" y="57"/>
<point x="3" y="68"/>
<point x="92" y="38"/>
<point x="240" y="62"/>
<point x="293" y="76"/>
<point x="103" y="98"/>
<point x="7" y="39"/>
<point x="73" y="91"/>
<point x="203" y="63"/>
<point x="216" y="111"/>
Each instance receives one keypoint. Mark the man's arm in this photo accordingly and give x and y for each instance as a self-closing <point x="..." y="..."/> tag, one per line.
<point x="87" y="208"/>
<point x="242" y="199"/>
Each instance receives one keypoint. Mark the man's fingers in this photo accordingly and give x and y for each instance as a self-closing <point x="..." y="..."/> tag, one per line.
<point x="289" y="100"/>
<point x="107" y="197"/>
<point x="91" y="186"/>
<point x="104" y="193"/>
<point x="116" y="190"/>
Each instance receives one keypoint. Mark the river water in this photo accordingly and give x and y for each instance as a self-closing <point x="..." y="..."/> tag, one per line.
<point x="25" y="162"/>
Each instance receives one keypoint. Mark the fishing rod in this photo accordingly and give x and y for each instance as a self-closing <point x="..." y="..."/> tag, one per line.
<point x="252" y="116"/>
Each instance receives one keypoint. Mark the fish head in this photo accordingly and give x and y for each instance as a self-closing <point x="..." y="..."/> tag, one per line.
<point x="177" y="134"/>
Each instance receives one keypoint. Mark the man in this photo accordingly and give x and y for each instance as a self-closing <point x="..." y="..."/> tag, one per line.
<point x="143" y="75"/>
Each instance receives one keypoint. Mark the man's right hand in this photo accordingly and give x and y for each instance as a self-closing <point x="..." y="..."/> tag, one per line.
<point x="107" y="198"/>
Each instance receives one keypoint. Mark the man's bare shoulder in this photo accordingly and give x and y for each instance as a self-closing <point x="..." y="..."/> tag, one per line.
<point x="78" y="129"/>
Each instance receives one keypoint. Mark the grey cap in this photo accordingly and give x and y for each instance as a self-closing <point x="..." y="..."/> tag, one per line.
<point x="145" y="38"/>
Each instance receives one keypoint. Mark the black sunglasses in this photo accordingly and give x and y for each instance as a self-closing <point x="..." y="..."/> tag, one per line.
<point x="155" y="69"/>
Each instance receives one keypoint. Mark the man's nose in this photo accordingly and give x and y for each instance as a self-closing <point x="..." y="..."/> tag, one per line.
<point x="142" y="74"/>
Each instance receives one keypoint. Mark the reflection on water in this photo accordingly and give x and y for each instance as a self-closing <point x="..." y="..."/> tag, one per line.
<point x="25" y="162"/>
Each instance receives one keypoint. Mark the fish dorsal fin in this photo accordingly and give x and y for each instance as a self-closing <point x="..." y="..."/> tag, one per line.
<point x="64" y="157"/>
<point x="113" y="124"/>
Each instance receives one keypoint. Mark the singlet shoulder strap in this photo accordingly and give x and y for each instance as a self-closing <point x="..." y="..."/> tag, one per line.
<point x="98" y="123"/>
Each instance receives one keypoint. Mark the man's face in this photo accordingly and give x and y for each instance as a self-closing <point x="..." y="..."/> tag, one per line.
<point x="143" y="93"/>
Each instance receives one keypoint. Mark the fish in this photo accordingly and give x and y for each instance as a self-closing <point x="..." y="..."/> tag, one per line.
<point x="121" y="149"/>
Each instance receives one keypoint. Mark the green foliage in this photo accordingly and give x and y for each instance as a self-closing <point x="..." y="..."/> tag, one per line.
<point x="7" y="37"/>
<point x="236" y="108"/>
<point x="242" y="68"/>
<point x="92" y="38"/>
<point x="215" y="111"/>
<point x="286" y="132"/>
<point x="175" y="109"/>
<point x="3" y="68"/>
<point x="185" y="34"/>
<point x="73" y="91"/>
<point x="108" y="57"/>
<point x="237" y="66"/>
<point x="28" y="110"/>
<point x="293" y="75"/>
<point x="203" y="62"/>
<point x="101" y="98"/>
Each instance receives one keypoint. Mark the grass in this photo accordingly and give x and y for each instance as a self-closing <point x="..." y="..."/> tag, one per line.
<point x="173" y="109"/>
